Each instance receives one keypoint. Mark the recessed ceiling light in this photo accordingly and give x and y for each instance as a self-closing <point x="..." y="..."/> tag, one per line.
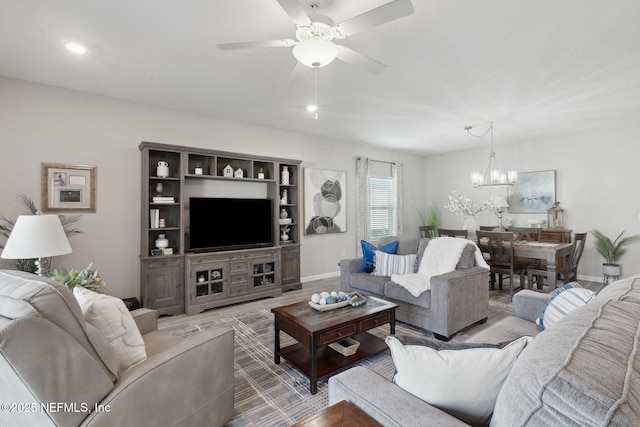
<point x="76" y="48"/>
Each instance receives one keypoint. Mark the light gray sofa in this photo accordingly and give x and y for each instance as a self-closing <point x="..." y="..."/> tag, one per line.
<point x="583" y="371"/>
<point x="455" y="301"/>
<point x="55" y="368"/>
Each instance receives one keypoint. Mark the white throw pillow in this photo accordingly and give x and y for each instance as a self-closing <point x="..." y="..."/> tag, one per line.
<point x="461" y="379"/>
<point x="567" y="299"/>
<point x="388" y="264"/>
<point x="110" y="316"/>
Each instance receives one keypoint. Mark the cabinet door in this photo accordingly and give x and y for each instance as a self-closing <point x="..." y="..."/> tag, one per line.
<point x="165" y="292"/>
<point x="208" y="282"/>
<point x="290" y="268"/>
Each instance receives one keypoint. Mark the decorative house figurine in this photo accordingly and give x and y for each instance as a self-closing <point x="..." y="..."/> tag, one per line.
<point x="239" y="173"/>
<point x="227" y="171"/>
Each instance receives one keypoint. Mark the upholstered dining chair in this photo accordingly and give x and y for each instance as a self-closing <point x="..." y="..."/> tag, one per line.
<point x="427" y="230"/>
<point x="445" y="232"/>
<point x="500" y="246"/>
<point x="566" y="272"/>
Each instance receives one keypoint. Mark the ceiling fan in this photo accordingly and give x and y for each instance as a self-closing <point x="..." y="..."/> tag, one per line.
<point x="314" y="46"/>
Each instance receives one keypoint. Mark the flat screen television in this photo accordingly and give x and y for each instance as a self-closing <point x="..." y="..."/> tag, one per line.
<point x="219" y="224"/>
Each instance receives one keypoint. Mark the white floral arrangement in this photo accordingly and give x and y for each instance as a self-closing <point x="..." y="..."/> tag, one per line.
<point x="463" y="205"/>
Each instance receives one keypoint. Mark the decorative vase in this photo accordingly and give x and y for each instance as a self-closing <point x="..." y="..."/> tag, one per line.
<point x="162" y="170"/>
<point x="284" y="199"/>
<point x="284" y="176"/>
<point x="470" y="223"/>
<point x="161" y="242"/>
<point x="284" y="237"/>
<point x="198" y="171"/>
<point x="260" y="175"/>
<point x="284" y="214"/>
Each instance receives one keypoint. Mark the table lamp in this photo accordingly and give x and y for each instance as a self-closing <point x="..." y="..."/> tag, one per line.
<point x="499" y="202"/>
<point x="37" y="236"/>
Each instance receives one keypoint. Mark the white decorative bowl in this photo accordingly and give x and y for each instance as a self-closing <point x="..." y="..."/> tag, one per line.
<point x="533" y="223"/>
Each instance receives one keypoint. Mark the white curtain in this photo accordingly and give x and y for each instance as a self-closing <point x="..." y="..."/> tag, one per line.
<point x="396" y="175"/>
<point x="363" y="173"/>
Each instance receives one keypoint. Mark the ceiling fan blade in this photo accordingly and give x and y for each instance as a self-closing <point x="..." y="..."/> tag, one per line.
<point x="295" y="11"/>
<point x="352" y="57"/>
<point x="250" y="45"/>
<point x="299" y="73"/>
<point x="380" y="15"/>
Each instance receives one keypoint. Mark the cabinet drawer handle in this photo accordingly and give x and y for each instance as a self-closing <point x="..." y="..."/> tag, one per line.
<point x="375" y="321"/>
<point x="178" y="285"/>
<point x="339" y="334"/>
<point x="164" y="262"/>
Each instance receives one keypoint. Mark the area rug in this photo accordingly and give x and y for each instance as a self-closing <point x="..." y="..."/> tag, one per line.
<point x="270" y="395"/>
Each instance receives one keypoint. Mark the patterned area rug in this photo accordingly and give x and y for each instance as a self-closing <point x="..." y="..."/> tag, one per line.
<point x="270" y="395"/>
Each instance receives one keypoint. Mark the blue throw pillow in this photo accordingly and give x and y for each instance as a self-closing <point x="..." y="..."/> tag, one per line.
<point x="567" y="299"/>
<point x="369" y="249"/>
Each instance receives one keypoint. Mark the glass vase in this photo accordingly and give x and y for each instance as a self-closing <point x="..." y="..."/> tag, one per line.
<point x="470" y="223"/>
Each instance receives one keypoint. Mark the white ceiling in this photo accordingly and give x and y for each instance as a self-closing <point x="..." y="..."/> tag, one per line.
<point x="535" y="68"/>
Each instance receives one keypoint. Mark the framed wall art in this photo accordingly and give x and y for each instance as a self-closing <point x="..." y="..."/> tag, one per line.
<point x="534" y="192"/>
<point x="324" y="201"/>
<point x="68" y="188"/>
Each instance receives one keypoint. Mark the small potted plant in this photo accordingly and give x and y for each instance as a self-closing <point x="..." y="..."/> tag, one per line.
<point x="198" y="169"/>
<point x="88" y="278"/>
<point x="260" y="173"/>
<point x="611" y="251"/>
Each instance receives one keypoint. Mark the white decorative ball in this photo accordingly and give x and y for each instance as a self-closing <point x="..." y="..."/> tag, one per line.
<point x="334" y="294"/>
<point x="323" y="301"/>
<point x="315" y="298"/>
<point x="324" y="294"/>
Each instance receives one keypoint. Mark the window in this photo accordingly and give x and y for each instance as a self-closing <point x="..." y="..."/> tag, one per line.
<point x="382" y="208"/>
<point x="379" y="204"/>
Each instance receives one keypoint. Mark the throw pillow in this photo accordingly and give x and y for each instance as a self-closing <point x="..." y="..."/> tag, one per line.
<point x="368" y="251"/>
<point x="461" y="379"/>
<point x="567" y="299"/>
<point x="388" y="264"/>
<point x="110" y="316"/>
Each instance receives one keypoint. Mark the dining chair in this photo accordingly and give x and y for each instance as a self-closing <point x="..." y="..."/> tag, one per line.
<point x="500" y="246"/>
<point x="487" y="227"/>
<point x="443" y="232"/>
<point x="567" y="271"/>
<point x="427" y="230"/>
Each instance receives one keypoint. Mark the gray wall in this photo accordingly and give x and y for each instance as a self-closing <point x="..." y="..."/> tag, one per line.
<point x="46" y="124"/>
<point x="597" y="179"/>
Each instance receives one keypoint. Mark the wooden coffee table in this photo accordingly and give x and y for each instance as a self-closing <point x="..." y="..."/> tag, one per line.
<point x="340" y="414"/>
<point x="315" y="330"/>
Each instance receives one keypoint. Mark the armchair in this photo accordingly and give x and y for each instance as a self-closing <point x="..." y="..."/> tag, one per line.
<point x="63" y="368"/>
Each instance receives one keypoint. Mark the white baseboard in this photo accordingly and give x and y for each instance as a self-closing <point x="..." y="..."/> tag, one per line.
<point x="320" y="276"/>
<point x="590" y="278"/>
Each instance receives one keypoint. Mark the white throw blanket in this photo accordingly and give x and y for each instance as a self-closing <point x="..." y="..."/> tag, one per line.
<point x="440" y="256"/>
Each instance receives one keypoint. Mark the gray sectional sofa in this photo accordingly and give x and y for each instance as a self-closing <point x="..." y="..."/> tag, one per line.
<point x="456" y="300"/>
<point x="582" y="371"/>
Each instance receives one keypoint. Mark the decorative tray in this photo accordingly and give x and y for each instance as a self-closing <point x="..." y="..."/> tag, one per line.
<point x="327" y="307"/>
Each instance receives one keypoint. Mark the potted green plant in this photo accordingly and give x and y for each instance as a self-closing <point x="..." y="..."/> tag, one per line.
<point x="611" y="251"/>
<point x="198" y="169"/>
<point x="88" y="278"/>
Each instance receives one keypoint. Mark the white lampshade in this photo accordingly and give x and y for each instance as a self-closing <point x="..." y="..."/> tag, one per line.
<point x="315" y="52"/>
<point x="499" y="202"/>
<point x="36" y="236"/>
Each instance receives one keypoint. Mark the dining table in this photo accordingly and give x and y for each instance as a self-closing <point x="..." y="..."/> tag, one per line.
<point x="550" y="252"/>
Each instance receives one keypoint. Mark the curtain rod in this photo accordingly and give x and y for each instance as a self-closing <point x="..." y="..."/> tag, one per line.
<point x="378" y="161"/>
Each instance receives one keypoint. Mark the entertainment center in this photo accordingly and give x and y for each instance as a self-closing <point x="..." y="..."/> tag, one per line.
<point x="211" y="227"/>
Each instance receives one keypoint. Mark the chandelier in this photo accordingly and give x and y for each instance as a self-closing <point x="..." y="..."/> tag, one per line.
<point x="492" y="176"/>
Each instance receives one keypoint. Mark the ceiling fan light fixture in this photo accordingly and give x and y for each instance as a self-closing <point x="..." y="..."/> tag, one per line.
<point x="315" y="52"/>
